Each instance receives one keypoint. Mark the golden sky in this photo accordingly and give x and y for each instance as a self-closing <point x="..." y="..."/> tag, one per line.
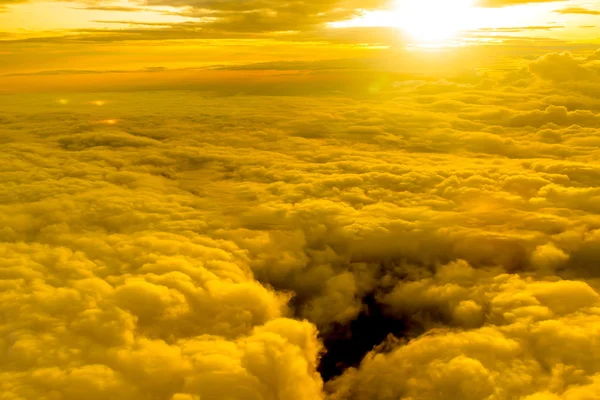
<point x="87" y="35"/>
<point x="300" y="200"/>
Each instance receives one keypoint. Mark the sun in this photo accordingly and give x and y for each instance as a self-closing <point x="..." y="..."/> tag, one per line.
<point x="434" y="20"/>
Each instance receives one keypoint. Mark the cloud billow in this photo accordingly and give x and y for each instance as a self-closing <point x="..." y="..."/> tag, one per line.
<point x="183" y="246"/>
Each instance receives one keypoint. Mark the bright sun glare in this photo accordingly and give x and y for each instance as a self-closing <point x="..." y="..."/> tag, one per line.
<point x="434" y="20"/>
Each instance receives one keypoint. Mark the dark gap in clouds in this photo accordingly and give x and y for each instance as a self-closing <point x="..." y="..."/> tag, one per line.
<point x="377" y="327"/>
<point x="346" y="345"/>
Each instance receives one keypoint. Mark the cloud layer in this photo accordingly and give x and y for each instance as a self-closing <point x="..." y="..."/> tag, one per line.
<point x="174" y="245"/>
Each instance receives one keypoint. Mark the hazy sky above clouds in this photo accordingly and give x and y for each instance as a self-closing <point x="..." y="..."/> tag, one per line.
<point x="127" y="35"/>
<point x="300" y="200"/>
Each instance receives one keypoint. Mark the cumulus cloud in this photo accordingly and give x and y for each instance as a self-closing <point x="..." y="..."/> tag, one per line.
<point x="505" y="337"/>
<point x="563" y="67"/>
<point x="211" y="246"/>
